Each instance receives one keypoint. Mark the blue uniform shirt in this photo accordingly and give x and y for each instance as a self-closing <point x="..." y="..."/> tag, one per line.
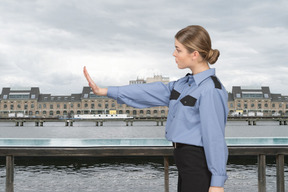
<point x="197" y="113"/>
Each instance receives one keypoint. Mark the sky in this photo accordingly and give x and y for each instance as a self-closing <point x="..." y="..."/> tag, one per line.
<point x="46" y="43"/>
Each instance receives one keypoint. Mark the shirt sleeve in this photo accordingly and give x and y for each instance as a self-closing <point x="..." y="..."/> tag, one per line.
<point x="142" y="95"/>
<point x="213" y="116"/>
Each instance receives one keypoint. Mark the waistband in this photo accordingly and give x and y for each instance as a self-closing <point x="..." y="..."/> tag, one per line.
<point x="180" y="145"/>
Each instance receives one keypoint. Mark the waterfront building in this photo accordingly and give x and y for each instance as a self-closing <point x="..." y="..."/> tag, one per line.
<point x="155" y="78"/>
<point x="256" y="102"/>
<point x="31" y="102"/>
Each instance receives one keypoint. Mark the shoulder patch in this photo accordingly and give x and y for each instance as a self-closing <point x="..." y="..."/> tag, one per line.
<point x="174" y="95"/>
<point x="216" y="82"/>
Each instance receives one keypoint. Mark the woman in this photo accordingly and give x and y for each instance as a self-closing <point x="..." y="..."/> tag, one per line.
<point x="197" y="111"/>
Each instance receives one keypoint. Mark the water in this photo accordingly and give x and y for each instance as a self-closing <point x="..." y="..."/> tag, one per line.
<point x="73" y="174"/>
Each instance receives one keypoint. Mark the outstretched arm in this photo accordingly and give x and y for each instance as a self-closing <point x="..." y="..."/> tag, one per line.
<point x="96" y="90"/>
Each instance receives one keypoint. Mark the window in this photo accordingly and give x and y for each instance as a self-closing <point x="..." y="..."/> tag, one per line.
<point x="65" y="106"/>
<point x="51" y="106"/>
<point x="259" y="105"/>
<point x="252" y="105"/>
<point x="5" y="96"/>
<point x="92" y="106"/>
<point x="58" y="106"/>
<point x="238" y="95"/>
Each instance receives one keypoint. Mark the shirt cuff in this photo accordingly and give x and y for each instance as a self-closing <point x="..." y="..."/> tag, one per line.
<point x="113" y="92"/>
<point x="218" y="181"/>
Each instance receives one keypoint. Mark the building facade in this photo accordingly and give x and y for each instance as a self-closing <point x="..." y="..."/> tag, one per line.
<point x="32" y="103"/>
<point x="253" y="101"/>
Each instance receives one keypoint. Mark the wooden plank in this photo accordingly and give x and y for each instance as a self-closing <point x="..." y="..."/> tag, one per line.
<point x="166" y="172"/>
<point x="9" y="174"/>
<point x="127" y="151"/>
<point x="280" y="173"/>
<point x="261" y="173"/>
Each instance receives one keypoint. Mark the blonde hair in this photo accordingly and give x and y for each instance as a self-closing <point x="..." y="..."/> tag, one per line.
<point x="196" y="38"/>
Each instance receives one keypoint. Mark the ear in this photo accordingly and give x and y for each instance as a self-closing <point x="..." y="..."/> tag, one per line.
<point x="195" y="55"/>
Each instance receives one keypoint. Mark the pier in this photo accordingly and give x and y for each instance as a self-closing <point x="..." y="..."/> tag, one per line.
<point x="159" y="121"/>
<point x="260" y="147"/>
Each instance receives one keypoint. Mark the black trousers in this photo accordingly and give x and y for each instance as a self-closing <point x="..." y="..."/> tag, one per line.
<point x="193" y="173"/>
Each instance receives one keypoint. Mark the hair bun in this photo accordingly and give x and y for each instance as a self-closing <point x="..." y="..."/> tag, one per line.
<point x="213" y="55"/>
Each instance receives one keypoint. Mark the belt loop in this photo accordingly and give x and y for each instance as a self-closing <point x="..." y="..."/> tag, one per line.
<point x="174" y="145"/>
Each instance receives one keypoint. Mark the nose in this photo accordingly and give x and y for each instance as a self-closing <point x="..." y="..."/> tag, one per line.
<point x="174" y="53"/>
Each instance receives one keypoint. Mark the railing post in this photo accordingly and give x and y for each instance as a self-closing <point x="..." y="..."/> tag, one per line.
<point x="9" y="173"/>
<point x="166" y="170"/>
<point x="280" y="173"/>
<point x="261" y="173"/>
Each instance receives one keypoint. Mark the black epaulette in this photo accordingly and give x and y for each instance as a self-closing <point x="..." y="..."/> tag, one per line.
<point x="216" y="82"/>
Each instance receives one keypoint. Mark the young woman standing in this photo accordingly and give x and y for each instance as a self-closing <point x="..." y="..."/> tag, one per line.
<point x="197" y="111"/>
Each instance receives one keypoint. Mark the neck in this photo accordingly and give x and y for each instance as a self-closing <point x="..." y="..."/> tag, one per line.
<point x="199" y="68"/>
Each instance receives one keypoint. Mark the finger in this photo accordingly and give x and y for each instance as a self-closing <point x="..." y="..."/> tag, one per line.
<point x="86" y="74"/>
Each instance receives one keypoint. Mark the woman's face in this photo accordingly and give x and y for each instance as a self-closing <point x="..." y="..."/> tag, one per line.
<point x="182" y="57"/>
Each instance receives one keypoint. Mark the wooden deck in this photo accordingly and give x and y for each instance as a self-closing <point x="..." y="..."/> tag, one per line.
<point x="163" y="151"/>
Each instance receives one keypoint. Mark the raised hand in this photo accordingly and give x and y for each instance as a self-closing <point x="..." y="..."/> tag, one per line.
<point x="96" y="90"/>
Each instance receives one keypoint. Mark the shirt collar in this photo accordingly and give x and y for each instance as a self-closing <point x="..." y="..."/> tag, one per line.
<point x="199" y="77"/>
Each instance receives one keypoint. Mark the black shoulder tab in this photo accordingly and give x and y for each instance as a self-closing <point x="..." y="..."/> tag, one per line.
<point x="216" y="82"/>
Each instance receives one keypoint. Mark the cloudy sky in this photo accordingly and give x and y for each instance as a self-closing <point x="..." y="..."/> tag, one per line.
<point x="45" y="43"/>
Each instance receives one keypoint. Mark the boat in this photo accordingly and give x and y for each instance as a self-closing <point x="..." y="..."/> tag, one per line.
<point x="102" y="116"/>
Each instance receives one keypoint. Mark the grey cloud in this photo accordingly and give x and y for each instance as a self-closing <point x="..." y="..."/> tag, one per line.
<point x="120" y="40"/>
